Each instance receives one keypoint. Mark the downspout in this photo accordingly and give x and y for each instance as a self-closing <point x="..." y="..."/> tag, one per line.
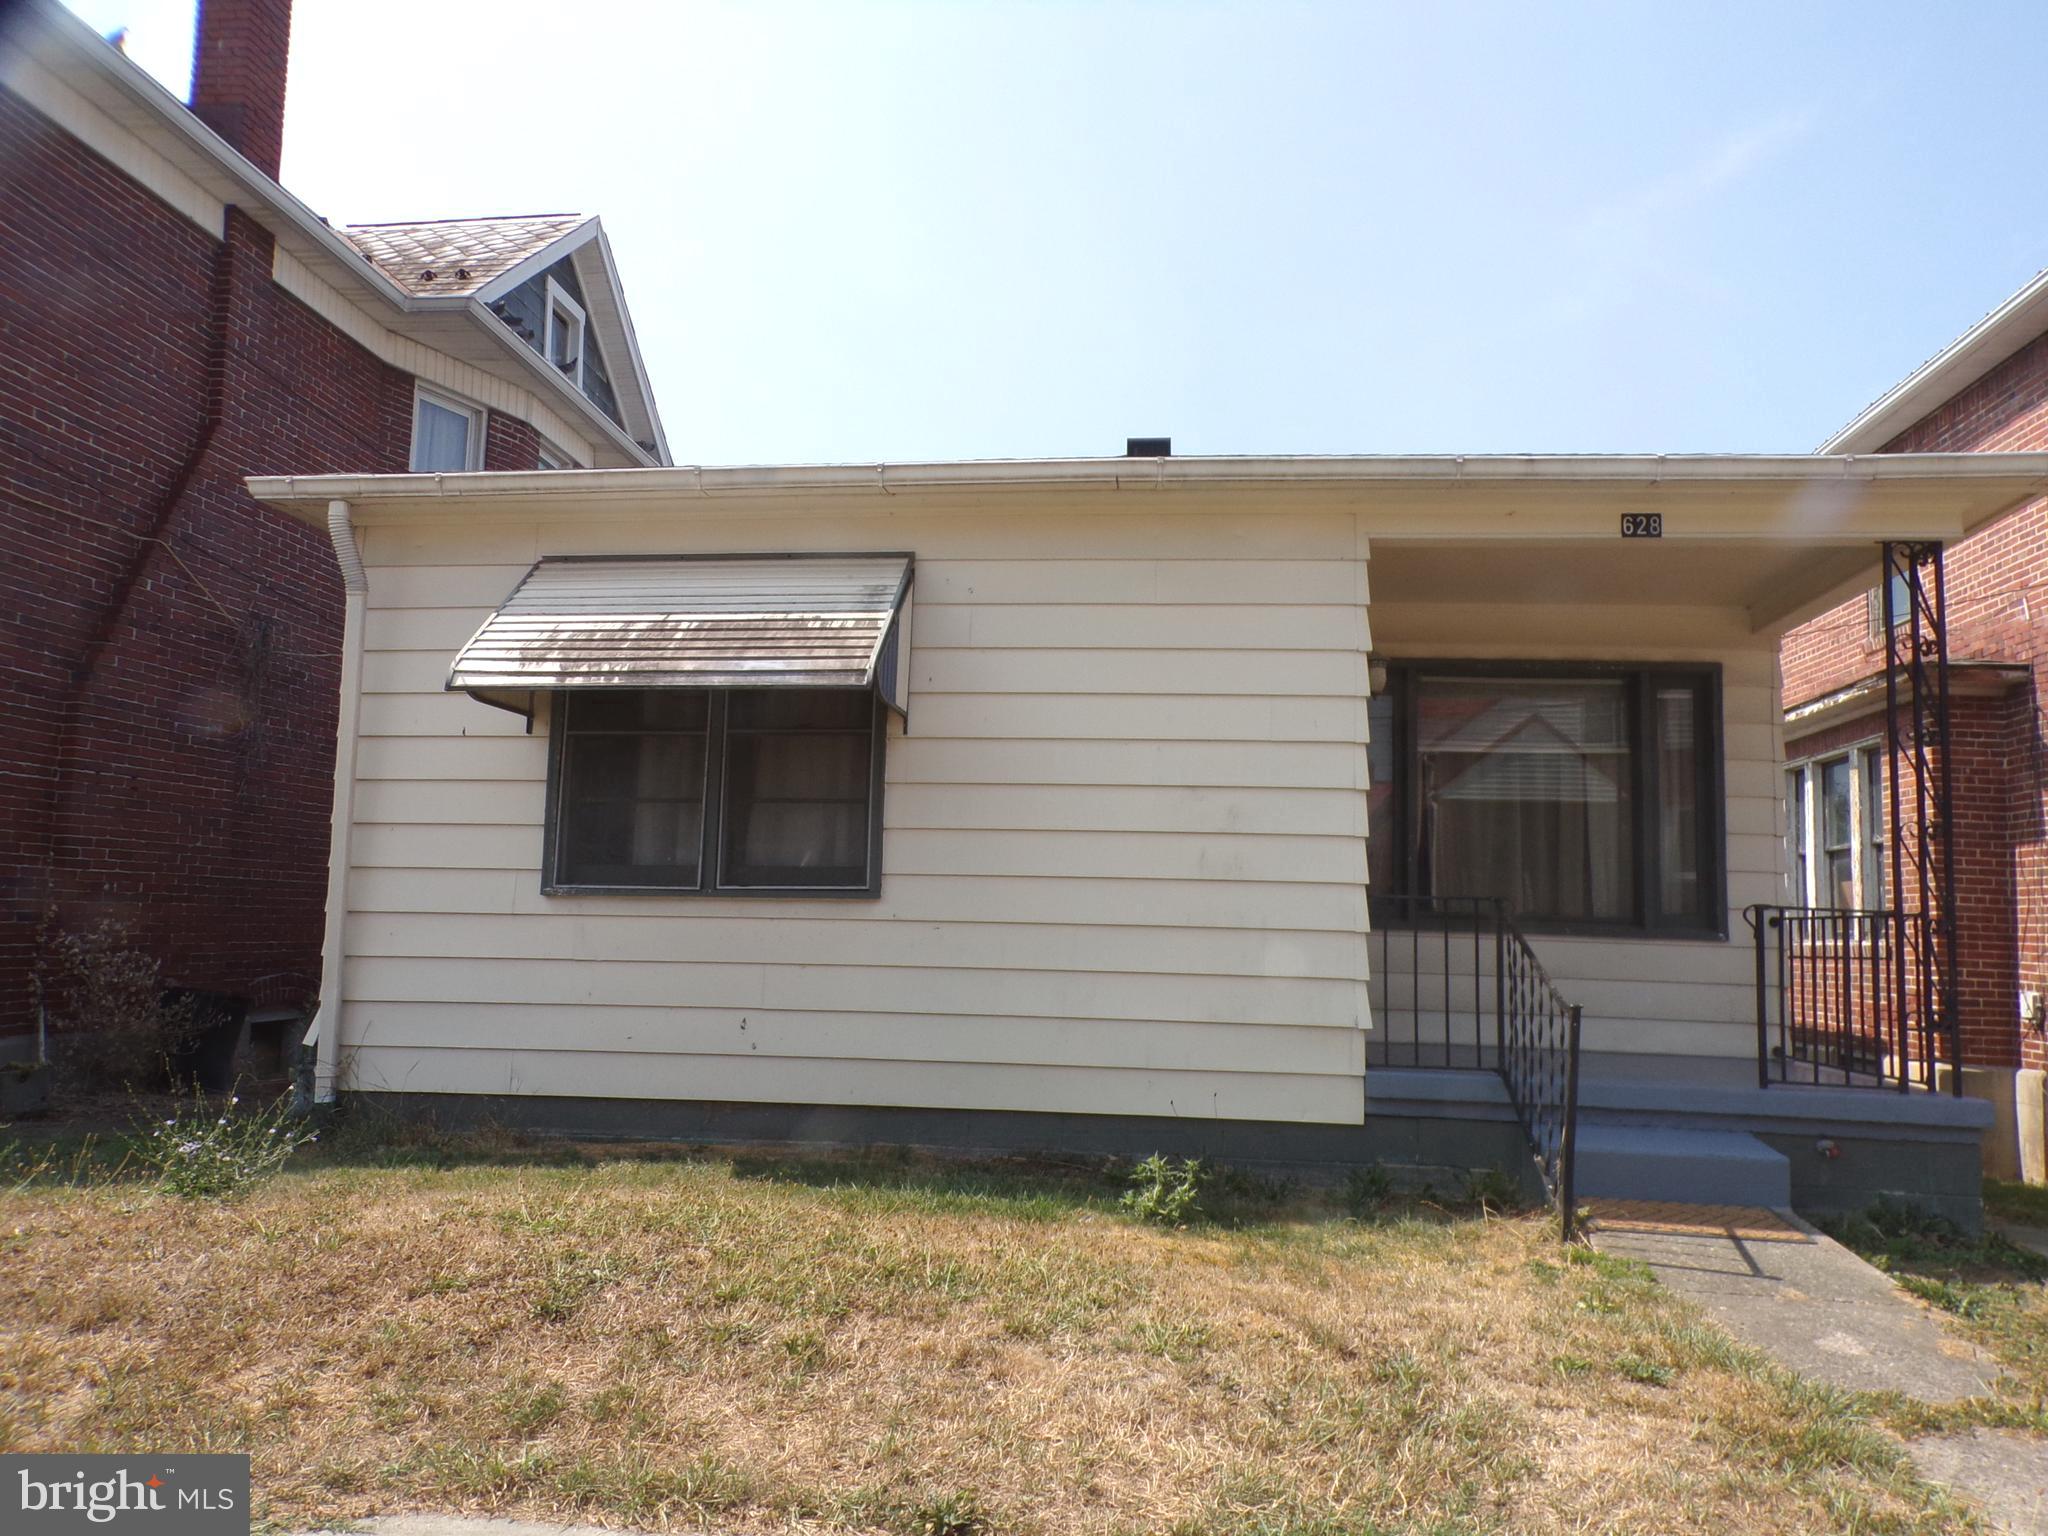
<point x="325" y="1030"/>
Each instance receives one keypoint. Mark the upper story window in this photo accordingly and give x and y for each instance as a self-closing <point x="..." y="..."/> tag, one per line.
<point x="1835" y="828"/>
<point x="447" y="434"/>
<point x="562" y="338"/>
<point x="1583" y="795"/>
<point x="552" y="457"/>
<point x="1873" y="606"/>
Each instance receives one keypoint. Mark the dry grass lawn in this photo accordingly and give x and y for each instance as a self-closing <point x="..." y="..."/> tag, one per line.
<point x="898" y="1346"/>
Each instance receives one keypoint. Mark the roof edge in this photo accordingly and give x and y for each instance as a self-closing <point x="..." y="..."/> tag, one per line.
<point x="885" y="478"/>
<point x="1953" y="369"/>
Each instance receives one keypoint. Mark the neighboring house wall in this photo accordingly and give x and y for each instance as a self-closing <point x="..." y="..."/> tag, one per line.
<point x="1997" y="586"/>
<point x="167" y="647"/>
<point x="1124" y="860"/>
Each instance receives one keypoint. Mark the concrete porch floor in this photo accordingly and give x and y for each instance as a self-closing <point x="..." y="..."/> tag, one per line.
<point x="1841" y="1148"/>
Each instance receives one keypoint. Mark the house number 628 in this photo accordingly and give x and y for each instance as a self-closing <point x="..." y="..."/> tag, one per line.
<point x="1642" y="525"/>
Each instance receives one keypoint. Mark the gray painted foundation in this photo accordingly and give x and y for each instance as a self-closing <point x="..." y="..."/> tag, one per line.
<point x="1846" y="1148"/>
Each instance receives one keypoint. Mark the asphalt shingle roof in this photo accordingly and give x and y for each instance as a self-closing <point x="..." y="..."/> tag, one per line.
<point x="457" y="256"/>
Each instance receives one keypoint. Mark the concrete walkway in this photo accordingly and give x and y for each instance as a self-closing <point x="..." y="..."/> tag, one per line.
<point x="1812" y="1305"/>
<point x="2004" y="1472"/>
<point x="1809" y="1303"/>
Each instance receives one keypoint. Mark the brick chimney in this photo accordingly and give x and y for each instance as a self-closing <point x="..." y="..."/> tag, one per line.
<point x="238" y="69"/>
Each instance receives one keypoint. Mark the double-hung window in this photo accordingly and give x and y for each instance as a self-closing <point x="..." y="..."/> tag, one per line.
<point x="1835" y="829"/>
<point x="447" y="434"/>
<point x="716" y="723"/>
<point x="562" y="335"/>
<point x="741" y="791"/>
<point x="1585" y="796"/>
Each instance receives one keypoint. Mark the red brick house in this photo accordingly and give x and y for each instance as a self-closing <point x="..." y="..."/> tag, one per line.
<point x="1988" y="391"/>
<point x="174" y="321"/>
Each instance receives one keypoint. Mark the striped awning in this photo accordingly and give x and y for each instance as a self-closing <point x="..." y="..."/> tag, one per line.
<point x="754" y="621"/>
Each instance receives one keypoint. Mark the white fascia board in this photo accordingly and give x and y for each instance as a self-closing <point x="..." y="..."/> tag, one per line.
<point x="1949" y="372"/>
<point x="2023" y="474"/>
<point x="643" y="387"/>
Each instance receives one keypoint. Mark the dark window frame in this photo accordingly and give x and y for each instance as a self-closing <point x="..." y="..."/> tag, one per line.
<point x="1644" y="679"/>
<point x="711" y="844"/>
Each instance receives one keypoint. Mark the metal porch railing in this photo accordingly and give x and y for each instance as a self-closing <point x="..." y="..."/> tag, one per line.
<point x="1458" y="987"/>
<point x="1851" y="1000"/>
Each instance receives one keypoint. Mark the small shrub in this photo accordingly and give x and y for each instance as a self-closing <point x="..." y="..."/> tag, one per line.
<point x="208" y="1151"/>
<point x="1367" y="1190"/>
<point x="1164" y="1192"/>
<point x="104" y="1002"/>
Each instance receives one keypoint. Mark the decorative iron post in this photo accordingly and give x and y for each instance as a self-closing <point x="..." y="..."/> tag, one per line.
<point x="1918" y="741"/>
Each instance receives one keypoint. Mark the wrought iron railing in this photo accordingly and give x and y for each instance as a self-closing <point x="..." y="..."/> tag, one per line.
<point x="1539" y="1062"/>
<point x="1436" y="964"/>
<point x="1459" y="987"/>
<point x="1851" y="999"/>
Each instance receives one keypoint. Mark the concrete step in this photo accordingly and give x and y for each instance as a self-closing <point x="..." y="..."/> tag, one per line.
<point x="1655" y="1162"/>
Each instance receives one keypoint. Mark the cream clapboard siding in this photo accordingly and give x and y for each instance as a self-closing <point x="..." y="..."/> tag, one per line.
<point x="1124" y="856"/>
<point x="1683" y="997"/>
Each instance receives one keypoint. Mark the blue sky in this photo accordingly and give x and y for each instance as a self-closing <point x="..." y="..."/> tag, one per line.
<point x="926" y="230"/>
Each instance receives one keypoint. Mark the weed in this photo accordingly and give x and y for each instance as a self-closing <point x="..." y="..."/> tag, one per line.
<point x="1165" y="1193"/>
<point x="209" y="1151"/>
<point x="1648" y="1372"/>
<point x="1368" y="1189"/>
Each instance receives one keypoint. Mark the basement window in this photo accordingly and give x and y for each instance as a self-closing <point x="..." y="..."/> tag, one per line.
<point x="447" y="434"/>
<point x="562" y="340"/>
<point x="740" y="791"/>
<point x="1586" y="796"/>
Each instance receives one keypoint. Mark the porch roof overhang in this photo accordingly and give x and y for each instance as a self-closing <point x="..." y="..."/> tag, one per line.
<point x="1779" y="537"/>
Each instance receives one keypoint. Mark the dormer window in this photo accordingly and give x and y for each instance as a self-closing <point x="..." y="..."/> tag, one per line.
<point x="562" y="336"/>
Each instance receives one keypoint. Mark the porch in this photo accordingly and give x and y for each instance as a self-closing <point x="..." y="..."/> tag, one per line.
<point x="1848" y="1097"/>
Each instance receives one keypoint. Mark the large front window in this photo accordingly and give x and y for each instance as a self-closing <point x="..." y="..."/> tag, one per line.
<point x="745" y="790"/>
<point x="1578" y="795"/>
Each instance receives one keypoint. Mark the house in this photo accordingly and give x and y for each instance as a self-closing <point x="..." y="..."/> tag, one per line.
<point x="176" y="320"/>
<point x="1289" y="809"/>
<point x="1987" y="392"/>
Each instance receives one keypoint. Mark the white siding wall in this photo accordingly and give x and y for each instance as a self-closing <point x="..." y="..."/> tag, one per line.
<point x="1124" y="857"/>
<point x="1687" y="997"/>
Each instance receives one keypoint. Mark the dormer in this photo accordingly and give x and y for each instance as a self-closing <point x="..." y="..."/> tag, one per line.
<point x="549" y="280"/>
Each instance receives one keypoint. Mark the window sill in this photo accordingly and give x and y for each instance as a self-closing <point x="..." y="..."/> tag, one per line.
<point x="739" y="893"/>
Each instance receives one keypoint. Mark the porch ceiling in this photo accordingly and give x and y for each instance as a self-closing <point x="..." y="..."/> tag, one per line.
<point x="1773" y="583"/>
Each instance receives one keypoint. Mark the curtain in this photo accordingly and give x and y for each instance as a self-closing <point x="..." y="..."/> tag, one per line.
<point x="1526" y="794"/>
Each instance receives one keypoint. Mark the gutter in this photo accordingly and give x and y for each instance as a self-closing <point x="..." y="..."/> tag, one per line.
<point x="324" y="1034"/>
<point x="1167" y="474"/>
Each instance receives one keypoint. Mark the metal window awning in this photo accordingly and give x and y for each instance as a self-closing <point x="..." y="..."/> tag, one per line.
<point x="702" y="621"/>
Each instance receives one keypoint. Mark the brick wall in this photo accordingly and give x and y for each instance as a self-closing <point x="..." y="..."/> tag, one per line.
<point x="168" y="648"/>
<point x="1997" y="585"/>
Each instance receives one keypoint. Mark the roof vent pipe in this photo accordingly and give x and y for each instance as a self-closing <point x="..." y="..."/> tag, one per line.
<point x="1148" y="447"/>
